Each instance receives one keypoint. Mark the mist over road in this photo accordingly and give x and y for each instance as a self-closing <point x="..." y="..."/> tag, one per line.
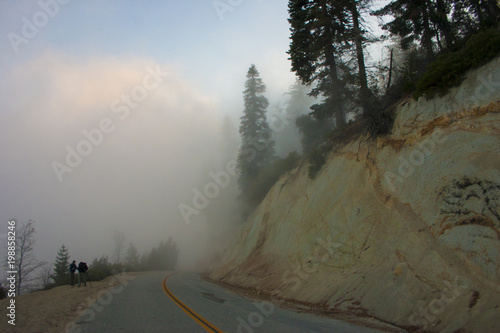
<point x="144" y="306"/>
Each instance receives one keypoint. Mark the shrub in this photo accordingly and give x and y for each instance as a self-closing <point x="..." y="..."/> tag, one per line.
<point x="268" y="176"/>
<point x="313" y="131"/>
<point x="448" y="69"/>
<point x="316" y="161"/>
<point x="379" y="123"/>
<point x="163" y="257"/>
<point x="101" y="268"/>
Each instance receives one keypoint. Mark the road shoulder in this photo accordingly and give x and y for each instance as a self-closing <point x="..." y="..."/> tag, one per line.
<point x="56" y="309"/>
<point x="301" y="307"/>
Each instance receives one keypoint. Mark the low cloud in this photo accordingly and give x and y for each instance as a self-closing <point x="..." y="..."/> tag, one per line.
<point x="132" y="180"/>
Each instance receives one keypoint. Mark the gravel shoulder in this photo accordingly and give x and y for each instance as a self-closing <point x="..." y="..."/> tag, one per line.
<point x="57" y="309"/>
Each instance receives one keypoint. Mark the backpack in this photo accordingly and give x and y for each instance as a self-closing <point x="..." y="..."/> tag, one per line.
<point x="82" y="267"/>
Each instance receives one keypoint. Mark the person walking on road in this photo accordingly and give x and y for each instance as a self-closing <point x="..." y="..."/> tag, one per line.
<point x="72" y="269"/>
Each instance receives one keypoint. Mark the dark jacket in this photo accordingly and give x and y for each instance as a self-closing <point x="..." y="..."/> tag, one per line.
<point x="72" y="267"/>
<point x="82" y="267"/>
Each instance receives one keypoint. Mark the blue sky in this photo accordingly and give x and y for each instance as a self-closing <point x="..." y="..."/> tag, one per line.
<point x="190" y="35"/>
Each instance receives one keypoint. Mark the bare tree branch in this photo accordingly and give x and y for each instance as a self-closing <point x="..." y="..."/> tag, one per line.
<point x="26" y="262"/>
<point x="45" y="275"/>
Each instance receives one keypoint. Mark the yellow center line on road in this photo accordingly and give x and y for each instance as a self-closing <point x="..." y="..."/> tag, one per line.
<point x="199" y="319"/>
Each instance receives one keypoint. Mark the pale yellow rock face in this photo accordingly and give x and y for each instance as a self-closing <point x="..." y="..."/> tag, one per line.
<point x="405" y="228"/>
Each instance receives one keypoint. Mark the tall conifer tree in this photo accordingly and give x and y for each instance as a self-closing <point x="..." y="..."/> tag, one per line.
<point x="61" y="267"/>
<point x="327" y="36"/>
<point x="411" y="21"/>
<point x="317" y="28"/>
<point x="257" y="144"/>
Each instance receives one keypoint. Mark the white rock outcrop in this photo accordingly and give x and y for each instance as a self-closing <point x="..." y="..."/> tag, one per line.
<point x="405" y="229"/>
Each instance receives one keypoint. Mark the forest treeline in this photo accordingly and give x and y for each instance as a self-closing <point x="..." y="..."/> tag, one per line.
<point x="162" y="257"/>
<point x="34" y="274"/>
<point x="430" y="44"/>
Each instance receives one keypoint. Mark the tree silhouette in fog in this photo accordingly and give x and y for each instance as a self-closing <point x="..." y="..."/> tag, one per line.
<point x="61" y="266"/>
<point x="257" y="144"/>
<point x="163" y="257"/>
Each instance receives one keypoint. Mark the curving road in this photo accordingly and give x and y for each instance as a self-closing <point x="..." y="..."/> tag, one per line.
<point x="186" y="303"/>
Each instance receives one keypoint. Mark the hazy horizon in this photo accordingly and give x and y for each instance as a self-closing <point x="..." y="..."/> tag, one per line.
<point x="150" y="85"/>
<point x="114" y="114"/>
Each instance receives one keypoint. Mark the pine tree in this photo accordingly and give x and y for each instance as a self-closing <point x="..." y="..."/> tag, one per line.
<point x="154" y="260"/>
<point x="440" y="18"/>
<point x="61" y="267"/>
<point x="470" y="16"/>
<point x="257" y="145"/>
<point x="411" y="21"/>
<point x="358" y="35"/>
<point x="316" y="49"/>
<point x="132" y="256"/>
<point x="438" y="22"/>
<point x="169" y="254"/>
<point x="299" y="102"/>
<point x="288" y="138"/>
<point x="313" y="131"/>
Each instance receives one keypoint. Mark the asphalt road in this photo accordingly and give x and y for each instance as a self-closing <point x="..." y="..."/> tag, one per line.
<point x="143" y="305"/>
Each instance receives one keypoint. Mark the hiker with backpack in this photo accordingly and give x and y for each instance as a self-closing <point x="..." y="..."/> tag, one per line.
<point x="82" y="274"/>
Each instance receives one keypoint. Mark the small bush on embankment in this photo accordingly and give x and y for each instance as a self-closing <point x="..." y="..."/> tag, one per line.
<point x="268" y="176"/>
<point x="102" y="268"/>
<point x="449" y="69"/>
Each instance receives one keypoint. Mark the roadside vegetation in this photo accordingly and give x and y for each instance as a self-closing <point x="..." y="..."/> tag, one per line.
<point x="44" y="276"/>
<point x="449" y="68"/>
<point x="341" y="94"/>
